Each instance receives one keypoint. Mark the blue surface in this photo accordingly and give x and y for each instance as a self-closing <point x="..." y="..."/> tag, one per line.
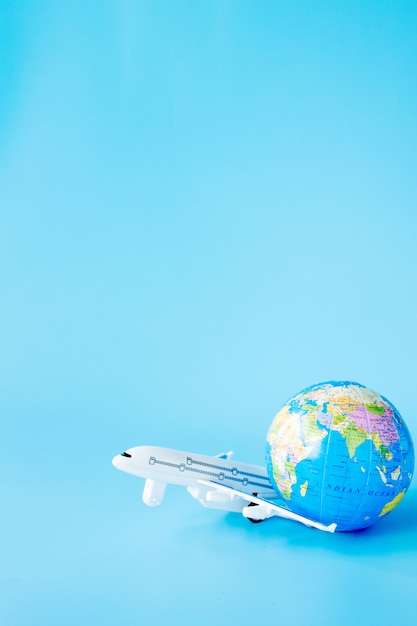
<point x="204" y="208"/>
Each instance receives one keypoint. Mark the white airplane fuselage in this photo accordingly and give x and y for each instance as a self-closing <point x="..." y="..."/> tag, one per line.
<point x="162" y="466"/>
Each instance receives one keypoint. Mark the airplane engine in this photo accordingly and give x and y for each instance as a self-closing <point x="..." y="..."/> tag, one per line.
<point x="153" y="492"/>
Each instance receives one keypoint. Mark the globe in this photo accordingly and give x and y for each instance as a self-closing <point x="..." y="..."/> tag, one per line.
<point x="340" y="452"/>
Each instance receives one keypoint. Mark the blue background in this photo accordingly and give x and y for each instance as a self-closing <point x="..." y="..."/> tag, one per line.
<point x="204" y="208"/>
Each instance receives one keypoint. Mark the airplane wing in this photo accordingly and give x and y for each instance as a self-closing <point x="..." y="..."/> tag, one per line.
<point x="259" y="509"/>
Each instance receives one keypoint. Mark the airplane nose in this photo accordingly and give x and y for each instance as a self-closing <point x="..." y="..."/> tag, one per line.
<point x="118" y="459"/>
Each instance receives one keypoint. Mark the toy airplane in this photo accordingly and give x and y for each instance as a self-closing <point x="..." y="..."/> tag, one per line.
<point x="217" y="482"/>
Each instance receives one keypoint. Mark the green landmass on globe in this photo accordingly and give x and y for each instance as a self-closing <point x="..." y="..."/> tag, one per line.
<point x="340" y="452"/>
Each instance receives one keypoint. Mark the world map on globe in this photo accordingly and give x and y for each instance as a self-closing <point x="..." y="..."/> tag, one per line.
<point x="340" y="452"/>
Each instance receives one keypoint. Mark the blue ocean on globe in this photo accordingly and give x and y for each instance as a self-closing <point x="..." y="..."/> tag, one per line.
<point x="339" y="452"/>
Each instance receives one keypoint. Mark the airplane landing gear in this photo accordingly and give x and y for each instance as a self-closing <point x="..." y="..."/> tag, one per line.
<point x="251" y="519"/>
